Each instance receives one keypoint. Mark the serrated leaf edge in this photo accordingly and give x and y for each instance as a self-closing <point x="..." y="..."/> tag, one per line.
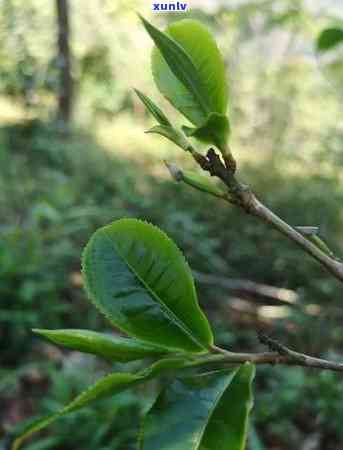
<point x="176" y="321"/>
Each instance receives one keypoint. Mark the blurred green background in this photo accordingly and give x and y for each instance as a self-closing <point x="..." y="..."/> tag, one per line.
<point x="74" y="156"/>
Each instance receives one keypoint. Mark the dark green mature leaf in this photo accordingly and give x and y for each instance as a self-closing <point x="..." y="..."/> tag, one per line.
<point x="228" y="426"/>
<point x="329" y="38"/>
<point x="113" y="348"/>
<point x="105" y="387"/>
<point x="153" y="109"/>
<point x="207" y="412"/>
<point x="173" y="135"/>
<point x="216" y="129"/>
<point x="139" y="279"/>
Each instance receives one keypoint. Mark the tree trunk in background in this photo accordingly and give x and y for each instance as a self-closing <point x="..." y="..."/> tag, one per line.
<point x="65" y="95"/>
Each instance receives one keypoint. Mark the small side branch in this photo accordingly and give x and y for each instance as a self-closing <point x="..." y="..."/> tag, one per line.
<point x="241" y="196"/>
<point x="299" y="358"/>
<point x="279" y="354"/>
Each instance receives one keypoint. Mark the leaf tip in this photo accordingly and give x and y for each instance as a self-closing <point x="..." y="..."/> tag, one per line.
<point x="39" y="331"/>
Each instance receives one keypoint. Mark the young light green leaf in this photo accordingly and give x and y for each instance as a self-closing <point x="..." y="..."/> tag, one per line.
<point x="329" y="38"/>
<point x="112" y="348"/>
<point x="200" y="182"/>
<point x="198" y="58"/>
<point x="181" y="65"/>
<point x="206" y="412"/>
<point x="138" y="278"/>
<point x="154" y="110"/>
<point x="173" y="135"/>
<point x="216" y="130"/>
<point x="105" y="387"/>
<point x="203" y="183"/>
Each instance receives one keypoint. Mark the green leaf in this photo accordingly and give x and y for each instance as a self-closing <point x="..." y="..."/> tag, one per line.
<point x="153" y="109"/>
<point x="189" y="70"/>
<point x="138" y="278"/>
<point x="206" y="412"/>
<point x="181" y="65"/>
<point x="216" y="130"/>
<point x="171" y="363"/>
<point x="105" y="387"/>
<point x="329" y="38"/>
<point x="201" y="182"/>
<point x="113" y="348"/>
<point x="228" y="426"/>
<point x="173" y="135"/>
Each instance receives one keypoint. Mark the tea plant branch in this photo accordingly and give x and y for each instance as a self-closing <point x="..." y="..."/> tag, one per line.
<point x="242" y="196"/>
<point x="280" y="355"/>
<point x="295" y="358"/>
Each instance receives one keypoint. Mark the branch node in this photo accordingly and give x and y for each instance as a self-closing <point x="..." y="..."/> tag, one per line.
<point x="273" y="345"/>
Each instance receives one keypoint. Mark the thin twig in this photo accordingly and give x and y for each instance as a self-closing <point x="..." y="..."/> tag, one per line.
<point x="280" y="355"/>
<point x="243" y="197"/>
<point x="332" y="265"/>
<point x="299" y="358"/>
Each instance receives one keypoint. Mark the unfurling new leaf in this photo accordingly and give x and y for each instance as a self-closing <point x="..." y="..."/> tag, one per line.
<point x="196" y="180"/>
<point x="164" y="128"/>
<point x="154" y="110"/>
<point x="172" y="135"/>
<point x="189" y="71"/>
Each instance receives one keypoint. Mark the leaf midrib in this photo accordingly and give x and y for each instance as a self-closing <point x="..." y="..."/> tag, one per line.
<point x="177" y="49"/>
<point x="164" y="307"/>
<point x="211" y="411"/>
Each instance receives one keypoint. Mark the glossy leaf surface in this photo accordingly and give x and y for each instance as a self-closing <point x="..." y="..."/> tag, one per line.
<point x="207" y="412"/>
<point x="140" y="280"/>
<point x="113" y="348"/>
<point x="189" y="70"/>
<point x="228" y="426"/>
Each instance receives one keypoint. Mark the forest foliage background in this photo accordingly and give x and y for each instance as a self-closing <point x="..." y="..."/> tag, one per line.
<point x="63" y="173"/>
